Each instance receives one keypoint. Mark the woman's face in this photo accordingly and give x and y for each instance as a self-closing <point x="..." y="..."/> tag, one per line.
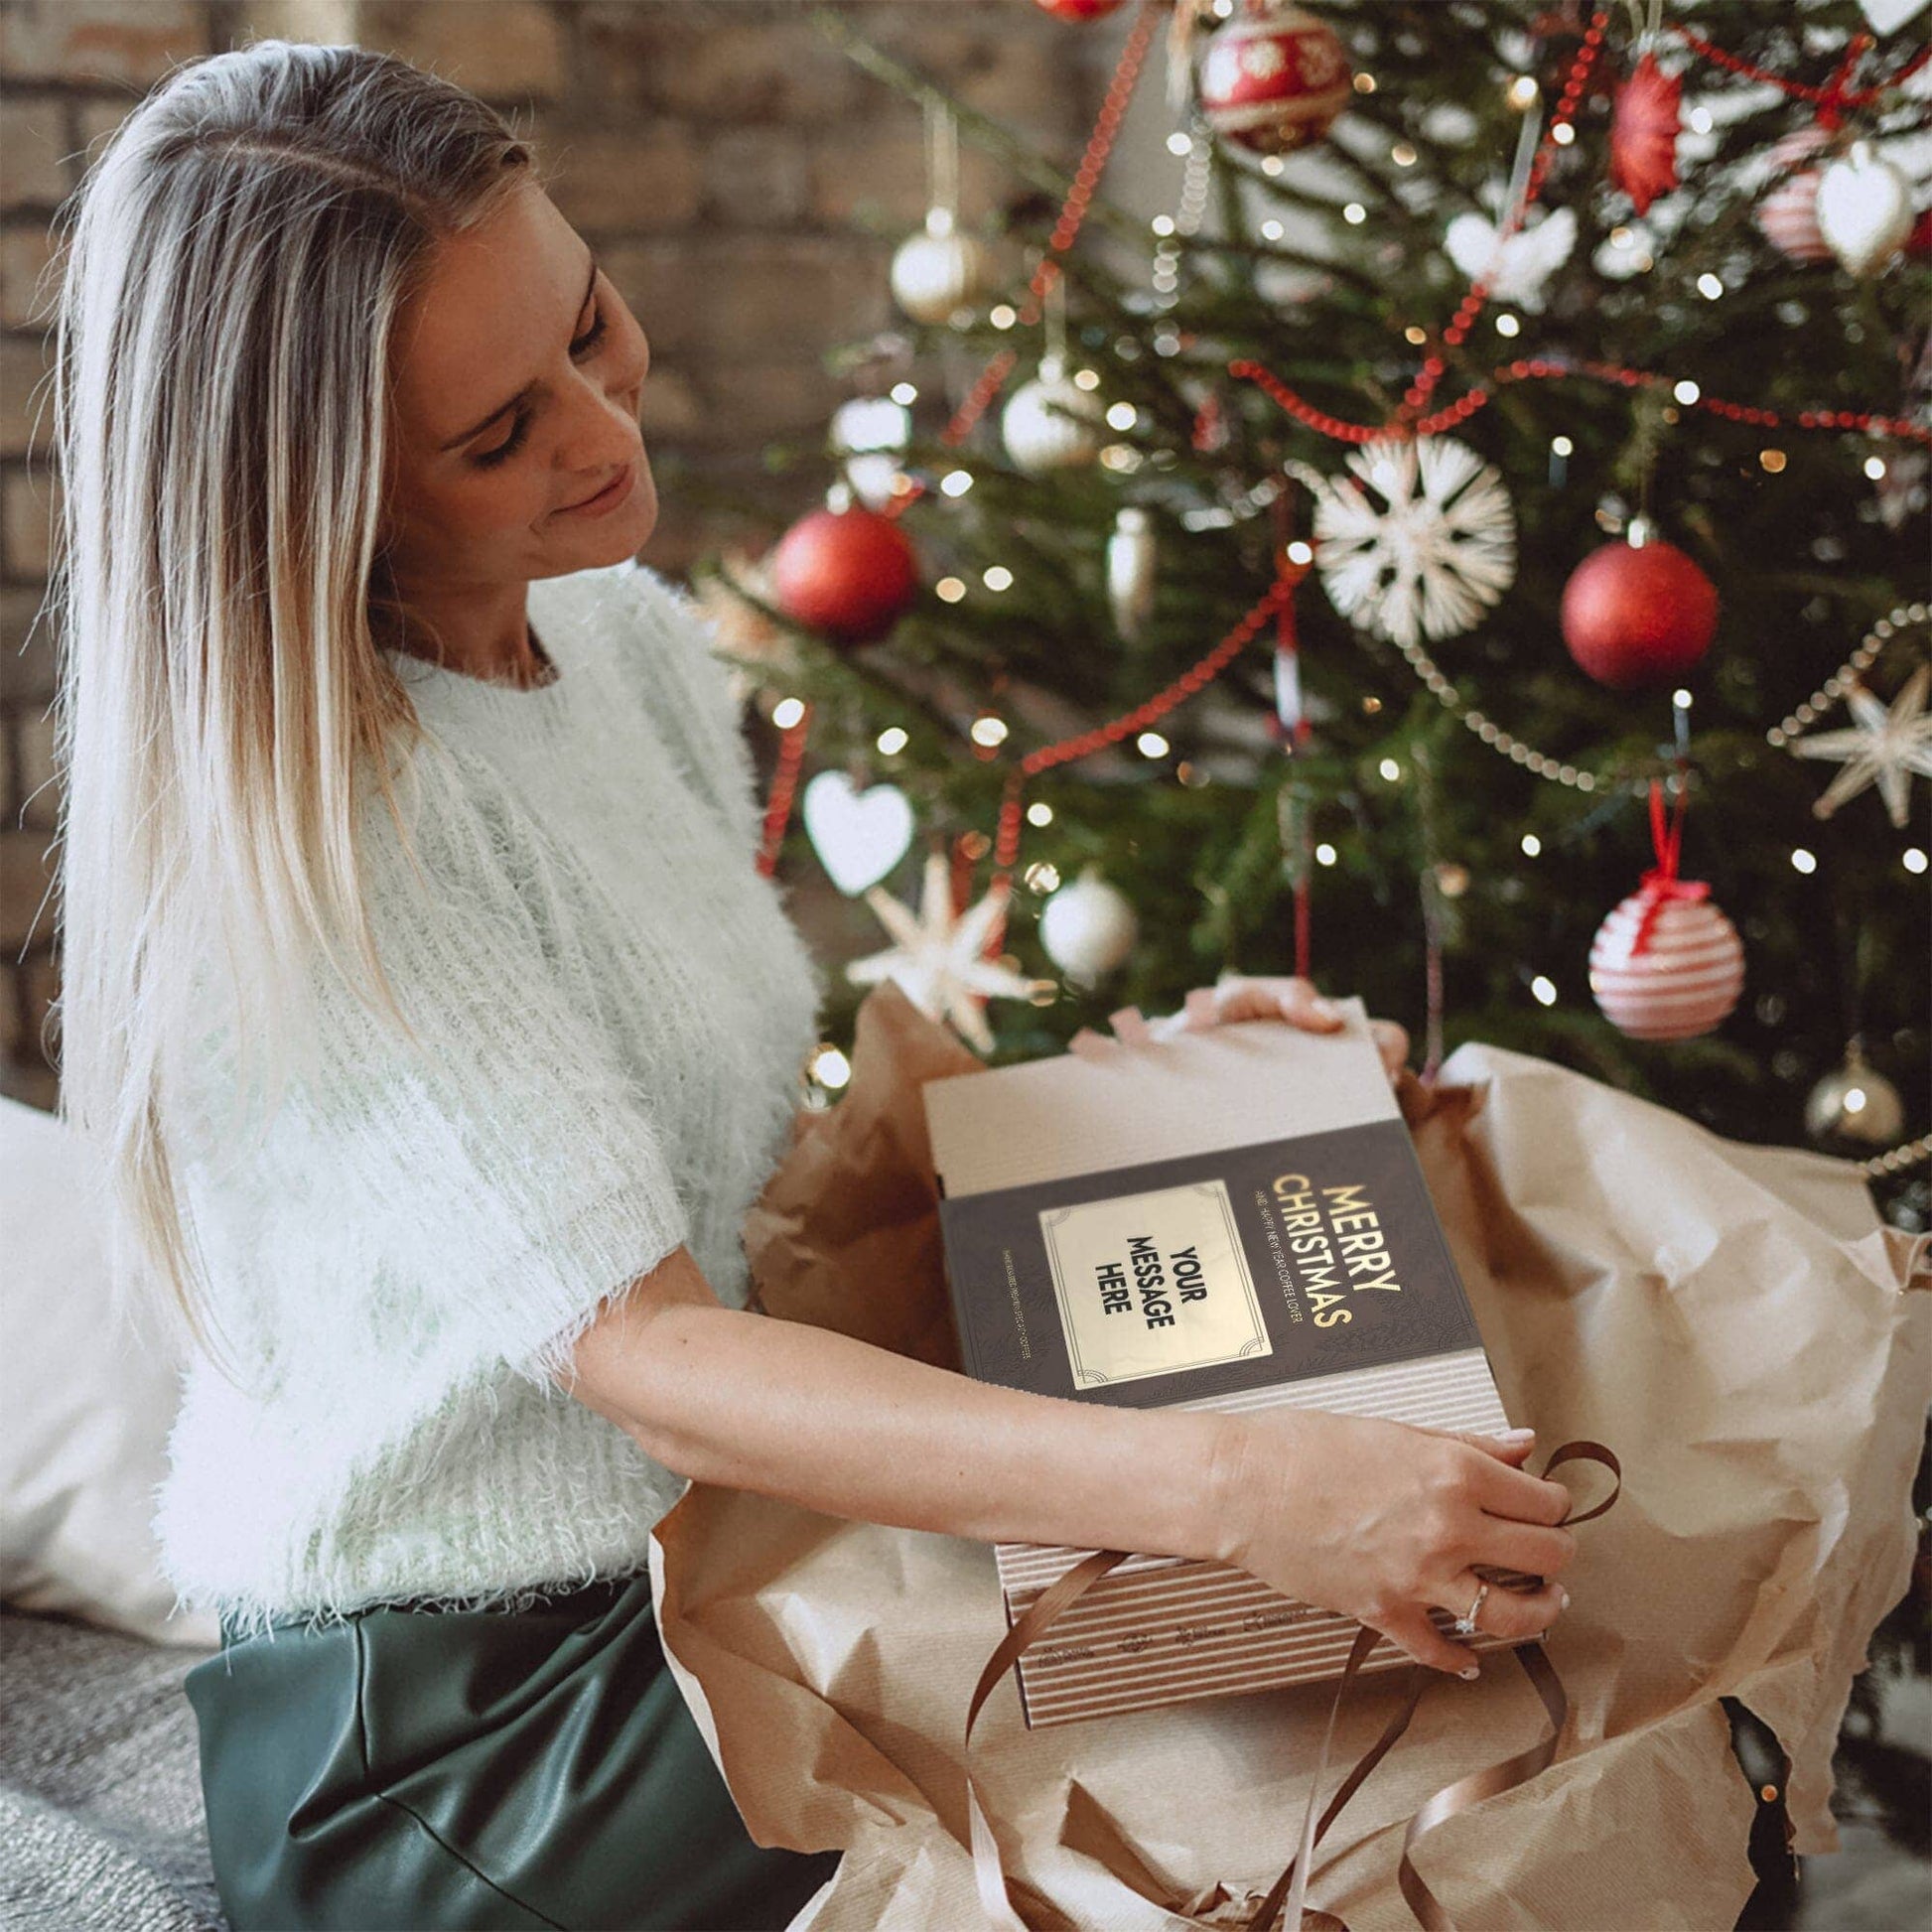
<point x="519" y="375"/>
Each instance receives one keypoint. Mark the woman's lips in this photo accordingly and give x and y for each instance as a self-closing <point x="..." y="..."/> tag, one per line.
<point x="608" y="498"/>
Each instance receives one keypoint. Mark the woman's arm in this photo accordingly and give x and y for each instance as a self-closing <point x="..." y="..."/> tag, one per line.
<point x="1366" y="1517"/>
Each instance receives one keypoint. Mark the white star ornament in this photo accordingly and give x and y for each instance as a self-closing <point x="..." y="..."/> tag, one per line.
<point x="936" y="959"/>
<point x="1883" y="748"/>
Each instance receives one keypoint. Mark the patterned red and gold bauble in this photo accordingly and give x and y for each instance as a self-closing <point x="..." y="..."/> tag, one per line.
<point x="1275" y="78"/>
<point x="1079" y="9"/>
<point x="1638" y="615"/>
<point x="849" y="573"/>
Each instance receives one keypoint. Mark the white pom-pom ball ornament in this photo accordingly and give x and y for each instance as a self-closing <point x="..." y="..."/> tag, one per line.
<point x="1088" y="927"/>
<point x="1051" y="423"/>
<point x="938" y="272"/>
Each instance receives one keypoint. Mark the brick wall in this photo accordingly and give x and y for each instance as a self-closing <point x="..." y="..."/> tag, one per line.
<point x="743" y="182"/>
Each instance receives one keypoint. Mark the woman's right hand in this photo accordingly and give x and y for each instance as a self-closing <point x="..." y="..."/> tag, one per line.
<point x="1379" y="1520"/>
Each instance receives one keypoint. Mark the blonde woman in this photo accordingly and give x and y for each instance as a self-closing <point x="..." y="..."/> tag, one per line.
<point x="438" y="1031"/>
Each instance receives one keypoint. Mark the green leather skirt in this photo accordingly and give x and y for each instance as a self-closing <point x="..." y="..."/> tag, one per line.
<point x="419" y="1768"/>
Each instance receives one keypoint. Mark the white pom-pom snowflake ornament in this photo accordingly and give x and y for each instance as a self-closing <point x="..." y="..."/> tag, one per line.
<point x="1417" y="542"/>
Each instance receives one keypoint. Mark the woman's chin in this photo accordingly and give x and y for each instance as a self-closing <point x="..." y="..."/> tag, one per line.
<point x="625" y="531"/>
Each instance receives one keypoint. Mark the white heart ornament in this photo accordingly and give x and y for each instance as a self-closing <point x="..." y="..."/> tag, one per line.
<point x="1865" y="210"/>
<point x="1884" y="15"/>
<point x="859" y="836"/>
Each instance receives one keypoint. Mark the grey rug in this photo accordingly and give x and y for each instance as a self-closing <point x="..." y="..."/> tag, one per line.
<point x="101" y="1797"/>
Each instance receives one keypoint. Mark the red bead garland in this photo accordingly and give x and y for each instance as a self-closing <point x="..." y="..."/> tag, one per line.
<point x="1538" y="369"/>
<point x="1473" y="302"/>
<point x="1834" y="96"/>
<point x="784" y="784"/>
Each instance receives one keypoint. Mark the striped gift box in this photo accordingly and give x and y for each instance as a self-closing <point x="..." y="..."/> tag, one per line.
<point x="1163" y="1629"/>
<point x="1230" y="1219"/>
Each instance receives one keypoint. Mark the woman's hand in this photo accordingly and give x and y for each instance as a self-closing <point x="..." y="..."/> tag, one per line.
<point x="1279" y="997"/>
<point x="1238" y="997"/>
<point x="1379" y="1521"/>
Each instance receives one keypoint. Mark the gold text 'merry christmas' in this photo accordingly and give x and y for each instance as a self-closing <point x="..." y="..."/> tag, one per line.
<point x="1341" y="1242"/>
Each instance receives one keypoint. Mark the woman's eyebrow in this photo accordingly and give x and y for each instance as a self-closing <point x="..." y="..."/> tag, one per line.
<point x="530" y="389"/>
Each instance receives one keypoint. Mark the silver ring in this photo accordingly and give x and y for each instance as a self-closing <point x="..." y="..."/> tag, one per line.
<point x="1466" y="1625"/>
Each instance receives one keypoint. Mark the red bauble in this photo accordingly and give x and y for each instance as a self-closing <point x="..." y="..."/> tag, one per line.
<point x="1079" y="9"/>
<point x="1638" y="616"/>
<point x="1644" y="133"/>
<point x="849" y="573"/>
<point x="1275" y="78"/>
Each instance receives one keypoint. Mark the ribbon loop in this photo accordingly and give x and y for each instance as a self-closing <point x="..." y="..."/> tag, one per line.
<point x="1290" y="1890"/>
<point x="1661" y="884"/>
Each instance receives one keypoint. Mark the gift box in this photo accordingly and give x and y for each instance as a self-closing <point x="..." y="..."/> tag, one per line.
<point x="1733" y="1320"/>
<point x="1228" y="1219"/>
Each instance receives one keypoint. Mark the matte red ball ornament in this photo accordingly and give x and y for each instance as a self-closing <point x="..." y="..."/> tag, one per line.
<point x="1079" y="9"/>
<point x="1275" y="78"/>
<point x="1638" y="615"/>
<point x="1644" y="133"/>
<point x="850" y="573"/>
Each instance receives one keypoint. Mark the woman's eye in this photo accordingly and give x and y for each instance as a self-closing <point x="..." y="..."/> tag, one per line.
<point x="585" y="344"/>
<point x="487" y="459"/>
<point x="507" y="448"/>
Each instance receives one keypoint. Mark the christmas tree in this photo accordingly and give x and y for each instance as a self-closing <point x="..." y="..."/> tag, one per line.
<point x="1474" y="331"/>
<point x="1471" y="546"/>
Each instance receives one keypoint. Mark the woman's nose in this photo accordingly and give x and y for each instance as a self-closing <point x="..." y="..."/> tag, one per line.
<point x="607" y="431"/>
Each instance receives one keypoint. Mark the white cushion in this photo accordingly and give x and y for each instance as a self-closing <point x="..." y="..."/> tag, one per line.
<point x="86" y="1404"/>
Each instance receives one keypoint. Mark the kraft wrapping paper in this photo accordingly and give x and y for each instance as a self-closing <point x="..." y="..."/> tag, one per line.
<point x="1733" y="1321"/>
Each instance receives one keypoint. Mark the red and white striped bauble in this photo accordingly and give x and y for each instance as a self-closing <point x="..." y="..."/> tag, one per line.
<point x="1666" y="965"/>
<point x="1789" y="213"/>
<point x="1273" y="77"/>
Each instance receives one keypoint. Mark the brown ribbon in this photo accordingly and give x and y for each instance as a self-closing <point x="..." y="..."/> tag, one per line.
<point x="1289" y="1888"/>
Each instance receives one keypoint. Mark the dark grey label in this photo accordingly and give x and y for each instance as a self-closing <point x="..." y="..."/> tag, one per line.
<point x="1202" y="1275"/>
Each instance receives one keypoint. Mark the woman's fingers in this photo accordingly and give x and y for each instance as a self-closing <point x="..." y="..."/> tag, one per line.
<point x="1393" y="1043"/>
<point x="1511" y="1613"/>
<point x="1271" y="996"/>
<point x="1506" y="1491"/>
<point x="1534" y="1548"/>
<point x="1410" y="1629"/>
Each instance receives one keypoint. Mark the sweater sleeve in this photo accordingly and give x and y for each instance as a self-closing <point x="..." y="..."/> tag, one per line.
<point x="693" y="704"/>
<point x="504" y="1175"/>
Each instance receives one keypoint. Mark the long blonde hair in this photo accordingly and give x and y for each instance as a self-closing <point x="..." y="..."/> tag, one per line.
<point x="237" y="259"/>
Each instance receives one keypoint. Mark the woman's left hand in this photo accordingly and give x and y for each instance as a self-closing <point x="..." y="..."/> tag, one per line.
<point x="1263" y="997"/>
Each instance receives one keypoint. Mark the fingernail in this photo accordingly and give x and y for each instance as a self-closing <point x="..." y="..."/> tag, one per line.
<point x="1325" y="1009"/>
<point x="1563" y="1598"/>
<point x="1517" y="1436"/>
<point x="1474" y="1671"/>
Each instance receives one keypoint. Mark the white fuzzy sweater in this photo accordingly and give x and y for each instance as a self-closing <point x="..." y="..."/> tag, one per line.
<point x="616" y="1014"/>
